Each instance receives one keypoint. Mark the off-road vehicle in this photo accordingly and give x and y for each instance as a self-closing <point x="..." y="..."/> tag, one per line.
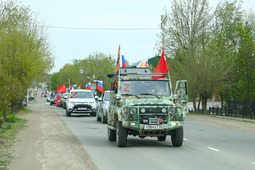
<point x="144" y="107"/>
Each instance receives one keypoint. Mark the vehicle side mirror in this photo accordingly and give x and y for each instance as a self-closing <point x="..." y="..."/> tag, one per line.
<point x="96" y="97"/>
<point x="117" y="96"/>
<point x="65" y="97"/>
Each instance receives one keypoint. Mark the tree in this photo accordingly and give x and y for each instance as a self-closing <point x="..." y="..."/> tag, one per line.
<point x="25" y="53"/>
<point x="82" y="71"/>
<point x="186" y="37"/>
<point x="9" y="89"/>
<point x="234" y="34"/>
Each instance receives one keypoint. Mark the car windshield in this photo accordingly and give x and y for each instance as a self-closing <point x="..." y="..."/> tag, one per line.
<point x="148" y="87"/>
<point x="83" y="94"/>
<point x="107" y="96"/>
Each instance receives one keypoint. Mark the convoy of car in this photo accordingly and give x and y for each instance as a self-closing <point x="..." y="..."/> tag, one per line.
<point x="137" y="104"/>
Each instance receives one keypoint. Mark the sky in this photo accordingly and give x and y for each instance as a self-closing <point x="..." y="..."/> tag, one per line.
<point x="78" y="28"/>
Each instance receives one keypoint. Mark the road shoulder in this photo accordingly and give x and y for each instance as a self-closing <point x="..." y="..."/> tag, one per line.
<point x="241" y="125"/>
<point x="46" y="143"/>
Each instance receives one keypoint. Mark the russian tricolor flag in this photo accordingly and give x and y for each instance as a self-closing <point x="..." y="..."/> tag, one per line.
<point x="58" y="96"/>
<point x="88" y="87"/>
<point x="100" y="86"/>
<point x="73" y="87"/>
<point x="123" y="62"/>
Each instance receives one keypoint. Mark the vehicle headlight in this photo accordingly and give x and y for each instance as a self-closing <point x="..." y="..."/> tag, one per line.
<point x="143" y="110"/>
<point x="164" y="110"/>
<point x="94" y="104"/>
<point x="132" y="111"/>
<point x="172" y="110"/>
<point x="73" y="103"/>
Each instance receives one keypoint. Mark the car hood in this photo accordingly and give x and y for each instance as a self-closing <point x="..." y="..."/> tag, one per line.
<point x="82" y="100"/>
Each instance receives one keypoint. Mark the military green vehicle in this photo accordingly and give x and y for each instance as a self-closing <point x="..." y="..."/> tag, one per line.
<point x="144" y="107"/>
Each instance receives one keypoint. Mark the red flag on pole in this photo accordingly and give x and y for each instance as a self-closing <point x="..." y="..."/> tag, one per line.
<point x="61" y="88"/>
<point x="162" y="66"/>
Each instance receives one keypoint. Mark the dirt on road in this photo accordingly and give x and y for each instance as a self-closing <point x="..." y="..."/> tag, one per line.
<point x="47" y="143"/>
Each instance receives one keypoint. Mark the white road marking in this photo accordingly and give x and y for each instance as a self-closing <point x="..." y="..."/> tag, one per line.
<point x="185" y="139"/>
<point x="217" y="150"/>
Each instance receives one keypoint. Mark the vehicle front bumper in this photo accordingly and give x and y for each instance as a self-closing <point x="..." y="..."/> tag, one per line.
<point x="81" y="108"/>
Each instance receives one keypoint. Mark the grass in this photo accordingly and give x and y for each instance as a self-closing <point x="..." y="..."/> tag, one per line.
<point x="8" y="133"/>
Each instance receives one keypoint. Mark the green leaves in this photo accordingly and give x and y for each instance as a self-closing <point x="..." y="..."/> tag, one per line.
<point x="25" y="54"/>
<point x="213" y="51"/>
<point x="82" y="71"/>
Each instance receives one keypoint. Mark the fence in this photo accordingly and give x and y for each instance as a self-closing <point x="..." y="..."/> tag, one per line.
<point x="235" y="108"/>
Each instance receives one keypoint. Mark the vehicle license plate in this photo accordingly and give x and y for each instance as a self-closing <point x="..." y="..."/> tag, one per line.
<point x="81" y="108"/>
<point x="153" y="126"/>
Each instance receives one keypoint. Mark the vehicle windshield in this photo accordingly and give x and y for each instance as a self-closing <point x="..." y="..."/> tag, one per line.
<point x="148" y="87"/>
<point x="107" y="96"/>
<point x="83" y="94"/>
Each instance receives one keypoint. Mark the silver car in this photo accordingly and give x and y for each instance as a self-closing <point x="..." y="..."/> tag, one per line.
<point x="103" y="103"/>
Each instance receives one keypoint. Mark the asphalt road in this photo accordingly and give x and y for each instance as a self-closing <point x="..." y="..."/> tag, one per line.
<point x="204" y="147"/>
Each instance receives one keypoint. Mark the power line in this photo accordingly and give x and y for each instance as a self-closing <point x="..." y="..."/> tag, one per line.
<point x="103" y="29"/>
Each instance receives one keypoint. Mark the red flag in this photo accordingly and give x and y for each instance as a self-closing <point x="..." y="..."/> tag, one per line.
<point x="61" y="88"/>
<point x="162" y="67"/>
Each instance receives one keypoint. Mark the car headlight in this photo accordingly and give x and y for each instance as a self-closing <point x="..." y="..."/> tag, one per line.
<point x="94" y="104"/>
<point x="143" y="110"/>
<point x="132" y="111"/>
<point x="172" y="110"/>
<point x="164" y="110"/>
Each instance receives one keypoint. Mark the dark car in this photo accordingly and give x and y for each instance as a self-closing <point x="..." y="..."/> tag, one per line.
<point x="53" y="100"/>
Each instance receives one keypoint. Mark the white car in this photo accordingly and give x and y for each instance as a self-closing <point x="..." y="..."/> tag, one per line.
<point x="80" y="101"/>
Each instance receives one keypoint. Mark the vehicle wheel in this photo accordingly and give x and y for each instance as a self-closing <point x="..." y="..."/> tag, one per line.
<point x="98" y="118"/>
<point x="161" y="138"/>
<point x="68" y="114"/>
<point x="103" y="119"/>
<point x="177" y="137"/>
<point x="111" y="134"/>
<point x="121" y="135"/>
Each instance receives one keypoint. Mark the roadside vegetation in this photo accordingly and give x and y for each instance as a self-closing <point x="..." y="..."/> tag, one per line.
<point x="25" y="54"/>
<point x="8" y="132"/>
<point x="214" y="49"/>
